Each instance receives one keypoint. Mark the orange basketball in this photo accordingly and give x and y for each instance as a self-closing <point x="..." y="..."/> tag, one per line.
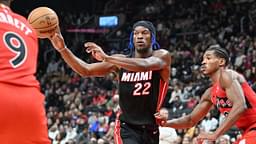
<point x="44" y="20"/>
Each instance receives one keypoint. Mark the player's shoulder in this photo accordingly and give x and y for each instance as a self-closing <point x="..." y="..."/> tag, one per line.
<point x="161" y="52"/>
<point x="235" y="75"/>
<point x="228" y="76"/>
<point x="164" y="51"/>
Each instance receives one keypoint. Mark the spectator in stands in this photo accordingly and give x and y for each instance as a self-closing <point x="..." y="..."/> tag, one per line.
<point x="109" y="136"/>
<point x="83" y="137"/>
<point x="224" y="139"/>
<point x="209" y="124"/>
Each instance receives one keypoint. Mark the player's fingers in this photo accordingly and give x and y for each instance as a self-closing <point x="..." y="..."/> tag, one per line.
<point x="88" y="44"/>
<point x="55" y="39"/>
<point x="93" y="53"/>
<point x="157" y="114"/>
<point x="88" y="50"/>
<point x="91" y="45"/>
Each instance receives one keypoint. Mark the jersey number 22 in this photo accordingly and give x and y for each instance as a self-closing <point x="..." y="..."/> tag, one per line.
<point x="141" y="89"/>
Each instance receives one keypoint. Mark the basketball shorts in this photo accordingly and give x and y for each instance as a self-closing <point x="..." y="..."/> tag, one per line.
<point x="136" y="134"/>
<point x="23" y="117"/>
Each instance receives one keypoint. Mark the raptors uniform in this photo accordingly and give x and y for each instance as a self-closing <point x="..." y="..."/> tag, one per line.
<point x="247" y="121"/>
<point x="141" y="95"/>
<point x="22" y="119"/>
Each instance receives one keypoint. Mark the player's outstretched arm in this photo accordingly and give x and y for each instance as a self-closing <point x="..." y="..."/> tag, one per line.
<point x="159" y="60"/>
<point x="193" y="118"/>
<point x="79" y="66"/>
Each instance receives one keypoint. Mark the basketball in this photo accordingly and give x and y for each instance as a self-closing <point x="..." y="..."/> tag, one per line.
<point x="44" y="20"/>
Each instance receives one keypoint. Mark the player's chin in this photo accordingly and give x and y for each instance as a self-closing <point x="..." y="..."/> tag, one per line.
<point x="140" y="46"/>
<point x="205" y="72"/>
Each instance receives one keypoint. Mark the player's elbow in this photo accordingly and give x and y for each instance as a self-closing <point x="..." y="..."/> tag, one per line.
<point x="83" y="73"/>
<point x="242" y="108"/>
<point x="191" y="124"/>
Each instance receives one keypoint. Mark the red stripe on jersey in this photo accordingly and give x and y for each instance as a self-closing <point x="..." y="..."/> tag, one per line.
<point x="117" y="136"/>
<point x="162" y="92"/>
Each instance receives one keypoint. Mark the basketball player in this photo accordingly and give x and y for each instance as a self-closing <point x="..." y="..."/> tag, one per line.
<point x="230" y="93"/>
<point x="22" y="119"/>
<point x="143" y="81"/>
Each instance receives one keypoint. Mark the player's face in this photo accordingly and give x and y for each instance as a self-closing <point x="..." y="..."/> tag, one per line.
<point x="210" y="63"/>
<point x="142" y="39"/>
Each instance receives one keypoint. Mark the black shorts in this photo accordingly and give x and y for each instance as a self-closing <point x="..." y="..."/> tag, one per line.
<point x="136" y="134"/>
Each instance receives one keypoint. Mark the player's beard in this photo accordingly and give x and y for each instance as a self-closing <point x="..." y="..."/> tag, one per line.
<point x="143" y="50"/>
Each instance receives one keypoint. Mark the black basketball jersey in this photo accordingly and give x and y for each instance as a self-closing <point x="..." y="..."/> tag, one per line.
<point x="141" y="95"/>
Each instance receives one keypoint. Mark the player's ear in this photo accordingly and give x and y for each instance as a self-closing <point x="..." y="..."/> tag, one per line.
<point x="222" y="62"/>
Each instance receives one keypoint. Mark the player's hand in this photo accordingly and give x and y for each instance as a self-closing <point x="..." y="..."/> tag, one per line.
<point x="206" y="137"/>
<point x="58" y="41"/>
<point x="160" y="119"/>
<point x="95" y="50"/>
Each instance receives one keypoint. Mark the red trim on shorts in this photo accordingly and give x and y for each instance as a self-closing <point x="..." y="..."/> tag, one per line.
<point x="117" y="135"/>
<point x="162" y="92"/>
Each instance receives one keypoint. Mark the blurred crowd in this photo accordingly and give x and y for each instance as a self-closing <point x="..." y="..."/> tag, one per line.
<point x="82" y="110"/>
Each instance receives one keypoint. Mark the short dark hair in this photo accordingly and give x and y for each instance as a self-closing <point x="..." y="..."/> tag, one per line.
<point x="219" y="52"/>
<point x="6" y="2"/>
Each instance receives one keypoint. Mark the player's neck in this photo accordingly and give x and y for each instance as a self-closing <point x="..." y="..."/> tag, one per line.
<point x="216" y="75"/>
<point x="138" y="55"/>
<point x="144" y="54"/>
